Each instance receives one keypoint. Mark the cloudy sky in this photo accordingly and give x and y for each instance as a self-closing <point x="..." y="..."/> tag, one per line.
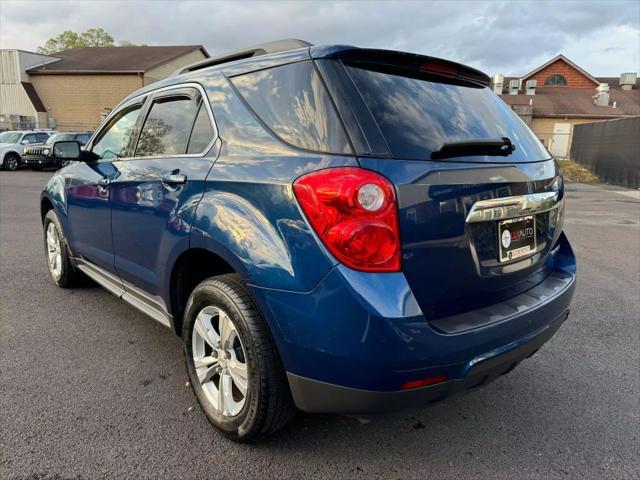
<point x="510" y="37"/>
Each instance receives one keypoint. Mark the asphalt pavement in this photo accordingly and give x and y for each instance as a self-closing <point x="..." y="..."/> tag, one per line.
<point x="90" y="388"/>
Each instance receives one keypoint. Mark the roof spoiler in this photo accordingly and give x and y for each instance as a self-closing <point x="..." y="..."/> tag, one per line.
<point x="390" y="59"/>
<point x="255" y="51"/>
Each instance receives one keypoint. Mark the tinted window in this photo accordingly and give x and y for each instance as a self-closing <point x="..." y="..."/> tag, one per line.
<point x="9" y="137"/>
<point x="42" y="137"/>
<point x="59" y="137"/>
<point x="113" y="143"/>
<point x="83" y="138"/>
<point x="202" y="133"/>
<point x="31" y="138"/>
<point x="166" y="129"/>
<point x="416" y="116"/>
<point x="292" y="101"/>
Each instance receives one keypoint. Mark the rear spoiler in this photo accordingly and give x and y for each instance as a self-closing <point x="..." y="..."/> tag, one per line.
<point x="410" y="62"/>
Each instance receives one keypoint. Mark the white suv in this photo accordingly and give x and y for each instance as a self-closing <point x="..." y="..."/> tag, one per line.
<point x="12" y="145"/>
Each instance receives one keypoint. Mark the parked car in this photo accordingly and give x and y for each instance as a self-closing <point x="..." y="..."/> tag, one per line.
<point x="12" y="144"/>
<point x="40" y="156"/>
<point x="332" y="229"/>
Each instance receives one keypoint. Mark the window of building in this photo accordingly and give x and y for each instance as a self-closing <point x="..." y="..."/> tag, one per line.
<point x="114" y="141"/>
<point x="167" y="127"/>
<point x="556" y="81"/>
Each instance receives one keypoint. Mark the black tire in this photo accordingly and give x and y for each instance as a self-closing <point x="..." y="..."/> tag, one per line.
<point x="69" y="276"/>
<point x="268" y="405"/>
<point x="11" y="161"/>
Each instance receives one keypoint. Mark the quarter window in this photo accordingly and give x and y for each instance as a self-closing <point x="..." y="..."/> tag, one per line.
<point x="556" y="81"/>
<point x="202" y="132"/>
<point x="167" y="127"/>
<point x="114" y="142"/>
<point x="292" y="101"/>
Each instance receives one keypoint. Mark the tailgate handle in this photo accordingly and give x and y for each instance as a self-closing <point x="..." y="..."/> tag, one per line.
<point x="513" y="207"/>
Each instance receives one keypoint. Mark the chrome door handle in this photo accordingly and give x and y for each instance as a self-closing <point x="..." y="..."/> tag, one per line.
<point x="174" y="178"/>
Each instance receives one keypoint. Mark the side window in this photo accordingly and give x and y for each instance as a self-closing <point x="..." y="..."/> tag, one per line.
<point x="167" y="127"/>
<point x="41" y="137"/>
<point x="293" y="102"/>
<point x="83" y="138"/>
<point x="31" y="138"/>
<point x="114" y="141"/>
<point x="202" y="132"/>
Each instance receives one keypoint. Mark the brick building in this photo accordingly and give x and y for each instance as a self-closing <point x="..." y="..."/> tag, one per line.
<point x="559" y="94"/>
<point x="75" y="89"/>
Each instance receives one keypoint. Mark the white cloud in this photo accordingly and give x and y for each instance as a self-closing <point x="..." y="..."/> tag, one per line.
<point x="510" y="37"/>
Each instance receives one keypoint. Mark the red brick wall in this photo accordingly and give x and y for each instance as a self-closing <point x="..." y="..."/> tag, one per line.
<point x="574" y="78"/>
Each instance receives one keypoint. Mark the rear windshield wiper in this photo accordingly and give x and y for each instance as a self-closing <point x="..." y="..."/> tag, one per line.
<point x="493" y="147"/>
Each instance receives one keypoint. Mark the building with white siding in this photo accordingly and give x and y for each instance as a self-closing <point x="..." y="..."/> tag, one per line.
<point x="20" y="105"/>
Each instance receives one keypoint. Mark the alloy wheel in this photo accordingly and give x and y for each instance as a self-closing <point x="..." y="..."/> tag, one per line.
<point x="11" y="162"/>
<point x="54" y="251"/>
<point x="220" y="361"/>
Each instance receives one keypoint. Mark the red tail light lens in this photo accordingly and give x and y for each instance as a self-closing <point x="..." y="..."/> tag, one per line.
<point x="354" y="213"/>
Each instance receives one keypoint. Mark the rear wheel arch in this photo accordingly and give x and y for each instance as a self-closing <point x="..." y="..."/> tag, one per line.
<point x="190" y="268"/>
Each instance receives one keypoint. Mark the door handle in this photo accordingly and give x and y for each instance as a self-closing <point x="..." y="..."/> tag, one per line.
<point x="174" y="178"/>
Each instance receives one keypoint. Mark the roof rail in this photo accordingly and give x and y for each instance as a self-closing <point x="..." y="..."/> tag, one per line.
<point x="255" y="51"/>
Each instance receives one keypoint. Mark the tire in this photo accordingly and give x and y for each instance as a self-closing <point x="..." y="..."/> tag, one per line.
<point x="11" y="162"/>
<point x="56" y="252"/>
<point x="266" y="405"/>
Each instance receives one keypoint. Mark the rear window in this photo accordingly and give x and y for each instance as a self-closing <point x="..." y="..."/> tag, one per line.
<point x="292" y="102"/>
<point x="416" y="116"/>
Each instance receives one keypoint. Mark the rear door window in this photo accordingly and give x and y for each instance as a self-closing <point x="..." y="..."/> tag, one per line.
<point x="167" y="126"/>
<point x="202" y="133"/>
<point x="417" y="115"/>
<point x="292" y="102"/>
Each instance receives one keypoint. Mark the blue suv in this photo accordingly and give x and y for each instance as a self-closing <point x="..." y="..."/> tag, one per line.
<point x="329" y="228"/>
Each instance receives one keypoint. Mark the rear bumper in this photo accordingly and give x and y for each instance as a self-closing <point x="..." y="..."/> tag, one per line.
<point x="351" y="343"/>
<point x="318" y="397"/>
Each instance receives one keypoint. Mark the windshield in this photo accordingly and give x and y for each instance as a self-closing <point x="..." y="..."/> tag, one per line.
<point x="59" y="137"/>
<point x="9" y="137"/>
<point x="418" y="115"/>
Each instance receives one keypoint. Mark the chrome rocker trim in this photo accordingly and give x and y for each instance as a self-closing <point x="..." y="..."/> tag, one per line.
<point x="135" y="297"/>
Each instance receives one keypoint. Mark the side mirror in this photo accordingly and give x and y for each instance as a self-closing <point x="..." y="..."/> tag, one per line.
<point x="66" y="150"/>
<point x="25" y="142"/>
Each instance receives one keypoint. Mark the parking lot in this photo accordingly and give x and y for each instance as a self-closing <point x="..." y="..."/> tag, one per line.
<point x="90" y="388"/>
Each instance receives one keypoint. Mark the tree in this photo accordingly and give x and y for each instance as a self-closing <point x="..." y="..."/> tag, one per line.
<point x="94" y="37"/>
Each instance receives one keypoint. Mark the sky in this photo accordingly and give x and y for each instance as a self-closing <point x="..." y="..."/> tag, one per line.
<point x="508" y="37"/>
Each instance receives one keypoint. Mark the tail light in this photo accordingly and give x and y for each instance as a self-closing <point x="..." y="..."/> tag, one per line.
<point x="354" y="213"/>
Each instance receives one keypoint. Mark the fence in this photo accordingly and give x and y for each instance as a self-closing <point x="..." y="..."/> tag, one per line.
<point x="610" y="150"/>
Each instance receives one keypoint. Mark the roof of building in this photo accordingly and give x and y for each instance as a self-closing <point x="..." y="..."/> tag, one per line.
<point x="576" y="102"/>
<point x="33" y="97"/>
<point x="114" y="59"/>
<point x="565" y="60"/>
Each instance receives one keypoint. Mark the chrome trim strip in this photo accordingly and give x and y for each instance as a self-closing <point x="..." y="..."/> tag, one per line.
<point x="512" y="207"/>
<point x="135" y="297"/>
<point x="151" y="93"/>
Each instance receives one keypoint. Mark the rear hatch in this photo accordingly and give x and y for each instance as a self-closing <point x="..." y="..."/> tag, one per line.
<point x="479" y="197"/>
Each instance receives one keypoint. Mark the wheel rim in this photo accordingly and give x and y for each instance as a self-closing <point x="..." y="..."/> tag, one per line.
<point x="12" y="162"/>
<point x="54" y="251"/>
<point x="220" y="361"/>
